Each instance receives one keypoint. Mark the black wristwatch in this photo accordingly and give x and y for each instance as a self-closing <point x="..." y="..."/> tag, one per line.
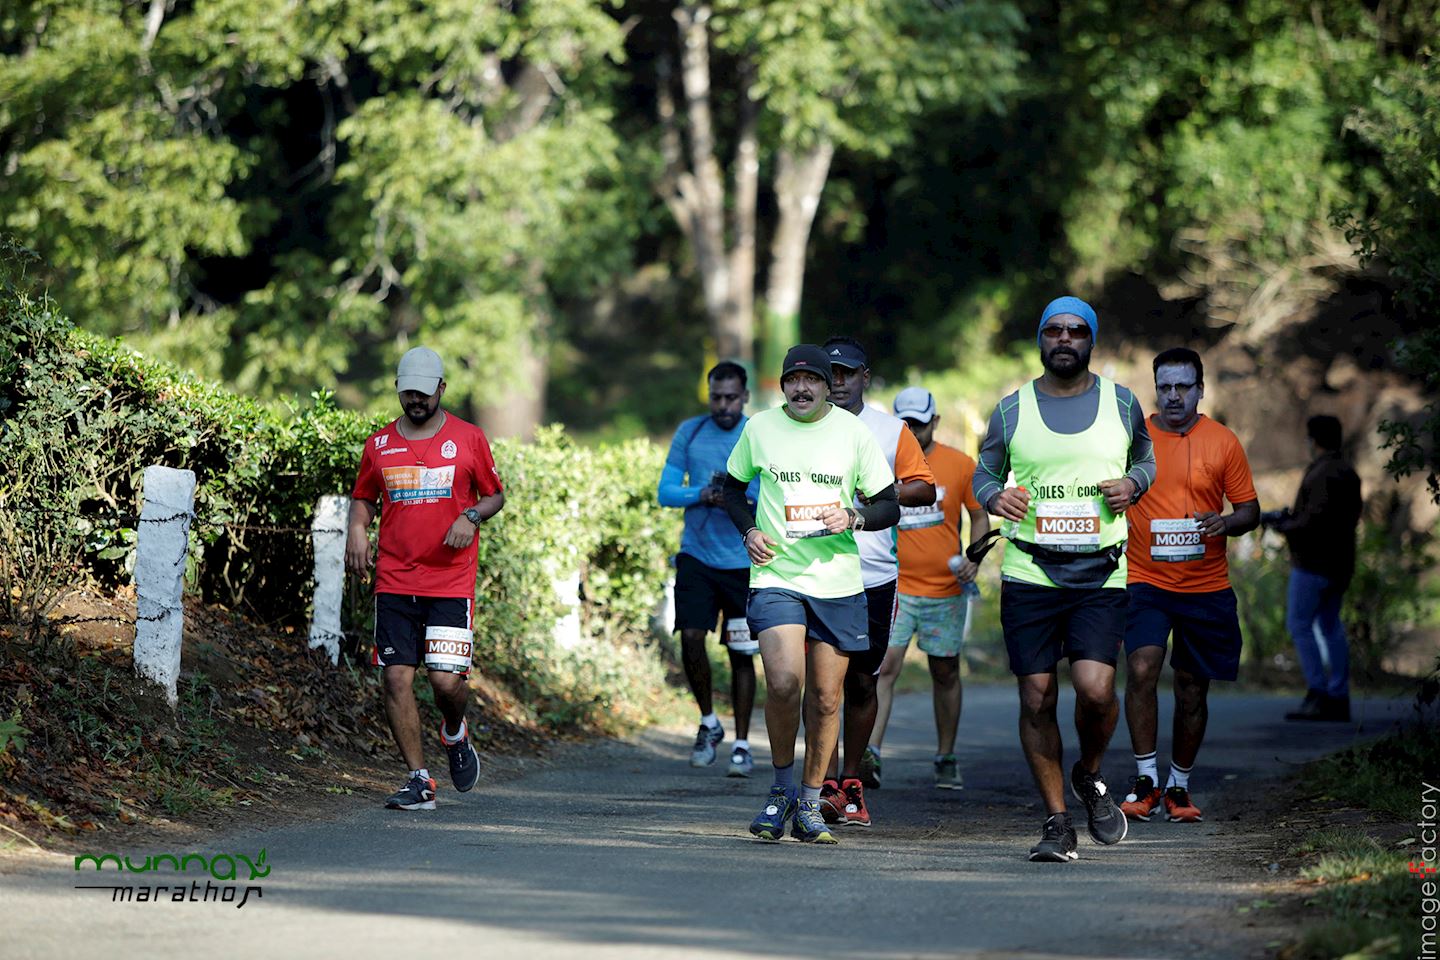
<point x="473" y="515"/>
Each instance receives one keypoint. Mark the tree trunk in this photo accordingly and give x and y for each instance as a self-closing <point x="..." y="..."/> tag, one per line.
<point x="735" y="335"/>
<point x="523" y="408"/>
<point x="799" y="179"/>
<point x="707" y="185"/>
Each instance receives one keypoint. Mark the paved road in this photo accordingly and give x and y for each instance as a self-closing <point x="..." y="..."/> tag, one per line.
<point x="623" y="851"/>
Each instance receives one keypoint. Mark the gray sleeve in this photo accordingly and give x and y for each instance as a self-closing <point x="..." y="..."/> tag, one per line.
<point x="1142" y="451"/>
<point x="993" y="464"/>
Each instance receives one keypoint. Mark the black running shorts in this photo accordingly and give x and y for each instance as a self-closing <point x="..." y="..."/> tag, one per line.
<point x="1206" y="628"/>
<point x="880" y="604"/>
<point x="1043" y="624"/>
<point x="435" y="629"/>
<point x="702" y="593"/>
<point x="839" y="622"/>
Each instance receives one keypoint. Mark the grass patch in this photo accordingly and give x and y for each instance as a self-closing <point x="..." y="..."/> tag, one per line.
<point x="1360" y="886"/>
<point x="1382" y="776"/>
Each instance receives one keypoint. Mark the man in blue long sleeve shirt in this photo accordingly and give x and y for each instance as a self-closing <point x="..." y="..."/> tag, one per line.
<point x="712" y="570"/>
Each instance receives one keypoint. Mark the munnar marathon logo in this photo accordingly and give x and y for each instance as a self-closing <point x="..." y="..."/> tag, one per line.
<point x="139" y="882"/>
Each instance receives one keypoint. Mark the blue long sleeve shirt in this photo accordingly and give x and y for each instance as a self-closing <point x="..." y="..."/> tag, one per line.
<point x="698" y="452"/>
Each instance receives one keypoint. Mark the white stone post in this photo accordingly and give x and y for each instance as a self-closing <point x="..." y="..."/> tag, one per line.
<point x="161" y="545"/>
<point x="567" y="633"/>
<point x="327" y="536"/>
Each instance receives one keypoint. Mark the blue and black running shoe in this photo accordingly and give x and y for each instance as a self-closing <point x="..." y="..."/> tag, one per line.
<point x="779" y="807"/>
<point x="809" y="825"/>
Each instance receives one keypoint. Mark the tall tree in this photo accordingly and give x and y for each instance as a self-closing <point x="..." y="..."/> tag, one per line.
<point x="810" y="77"/>
<point x="289" y="195"/>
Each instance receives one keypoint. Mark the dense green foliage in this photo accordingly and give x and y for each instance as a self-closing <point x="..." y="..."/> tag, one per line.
<point x="85" y="416"/>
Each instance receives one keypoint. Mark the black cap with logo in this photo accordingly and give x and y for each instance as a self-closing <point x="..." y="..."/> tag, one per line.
<point x="846" y="355"/>
<point x="811" y="359"/>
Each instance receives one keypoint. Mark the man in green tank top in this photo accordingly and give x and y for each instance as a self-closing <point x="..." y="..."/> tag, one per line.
<point x="1080" y="452"/>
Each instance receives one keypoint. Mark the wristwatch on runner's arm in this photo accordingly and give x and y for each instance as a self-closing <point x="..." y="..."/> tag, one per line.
<point x="473" y="515"/>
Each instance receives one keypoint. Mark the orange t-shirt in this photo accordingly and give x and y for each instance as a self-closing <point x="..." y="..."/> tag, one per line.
<point x="930" y="536"/>
<point x="1195" y="472"/>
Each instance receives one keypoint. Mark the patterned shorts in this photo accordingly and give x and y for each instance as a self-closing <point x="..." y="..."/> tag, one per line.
<point x="939" y="622"/>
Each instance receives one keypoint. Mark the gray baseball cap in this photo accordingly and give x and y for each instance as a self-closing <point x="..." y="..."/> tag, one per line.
<point x="420" y="370"/>
<point x="915" y="403"/>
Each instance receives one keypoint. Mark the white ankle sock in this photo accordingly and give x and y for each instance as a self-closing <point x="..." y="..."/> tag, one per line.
<point x="740" y="745"/>
<point x="1179" y="777"/>
<point x="422" y="773"/>
<point x="453" y="738"/>
<point x="1146" y="766"/>
<point x="710" y="720"/>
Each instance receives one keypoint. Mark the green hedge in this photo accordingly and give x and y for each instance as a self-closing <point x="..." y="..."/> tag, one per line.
<point x="84" y="416"/>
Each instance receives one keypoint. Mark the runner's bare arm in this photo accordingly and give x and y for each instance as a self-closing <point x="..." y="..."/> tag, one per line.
<point x="1240" y="521"/>
<point x="462" y="531"/>
<point x="357" y="542"/>
<point x="979" y="526"/>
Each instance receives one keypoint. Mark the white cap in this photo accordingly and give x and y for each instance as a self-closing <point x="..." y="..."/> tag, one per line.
<point x="915" y="403"/>
<point x="420" y="370"/>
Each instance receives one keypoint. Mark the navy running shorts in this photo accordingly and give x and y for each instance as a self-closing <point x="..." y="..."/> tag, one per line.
<point x="1205" y="627"/>
<point x="841" y="622"/>
<point x="1043" y="624"/>
<point x="438" y="630"/>
<point x="702" y="593"/>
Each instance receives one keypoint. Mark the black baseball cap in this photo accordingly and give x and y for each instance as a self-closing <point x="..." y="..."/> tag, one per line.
<point x="811" y="359"/>
<point x="847" y="355"/>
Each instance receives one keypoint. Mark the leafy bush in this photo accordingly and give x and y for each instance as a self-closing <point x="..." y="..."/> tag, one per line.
<point x="84" y="416"/>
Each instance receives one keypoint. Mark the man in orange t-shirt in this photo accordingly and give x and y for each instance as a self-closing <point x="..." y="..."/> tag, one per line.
<point x="1179" y="584"/>
<point x="937" y="583"/>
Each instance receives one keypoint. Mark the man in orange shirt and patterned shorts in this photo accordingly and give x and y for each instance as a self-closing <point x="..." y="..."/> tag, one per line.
<point x="937" y="583"/>
<point x="1179" y="584"/>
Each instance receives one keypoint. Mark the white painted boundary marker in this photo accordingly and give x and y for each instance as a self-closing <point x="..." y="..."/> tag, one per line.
<point x="161" y="545"/>
<point x="327" y="536"/>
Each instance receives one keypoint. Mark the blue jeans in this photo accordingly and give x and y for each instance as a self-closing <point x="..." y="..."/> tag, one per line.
<point x="1314" y="601"/>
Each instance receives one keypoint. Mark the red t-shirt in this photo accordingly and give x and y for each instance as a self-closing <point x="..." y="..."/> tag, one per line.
<point x="422" y="486"/>
<point x="1195" y="472"/>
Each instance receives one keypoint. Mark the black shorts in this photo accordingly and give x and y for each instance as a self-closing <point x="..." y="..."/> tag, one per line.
<point x="880" y="604"/>
<point x="440" y="627"/>
<point x="1043" y="624"/>
<point x="1206" y="628"/>
<point x="703" y="592"/>
<point x="839" y="622"/>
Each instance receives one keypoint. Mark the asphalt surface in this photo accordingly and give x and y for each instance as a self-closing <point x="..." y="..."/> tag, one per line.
<point x="620" y="849"/>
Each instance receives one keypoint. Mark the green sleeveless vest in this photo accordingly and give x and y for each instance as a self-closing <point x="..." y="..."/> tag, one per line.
<point x="1063" y="472"/>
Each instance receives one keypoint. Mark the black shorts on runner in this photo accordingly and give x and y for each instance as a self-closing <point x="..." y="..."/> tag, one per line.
<point x="840" y="622"/>
<point x="880" y="609"/>
<point x="1043" y="624"/>
<point x="1206" y="628"/>
<point x="702" y="593"/>
<point x="435" y="629"/>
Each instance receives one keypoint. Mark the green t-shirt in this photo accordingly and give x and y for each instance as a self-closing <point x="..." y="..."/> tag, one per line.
<point x="804" y="468"/>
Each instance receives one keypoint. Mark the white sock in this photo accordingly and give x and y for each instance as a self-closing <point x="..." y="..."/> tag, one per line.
<point x="710" y="720"/>
<point x="421" y="773"/>
<point x="1179" y="777"/>
<point x="873" y="748"/>
<point x="740" y="745"/>
<point x="1146" y="766"/>
<point x="453" y="738"/>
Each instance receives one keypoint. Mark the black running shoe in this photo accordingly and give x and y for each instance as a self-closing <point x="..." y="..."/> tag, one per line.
<point x="1057" y="841"/>
<point x="464" y="762"/>
<point x="1105" y="822"/>
<point x="418" y="794"/>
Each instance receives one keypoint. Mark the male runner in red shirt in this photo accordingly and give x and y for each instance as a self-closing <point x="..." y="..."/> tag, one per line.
<point x="433" y="480"/>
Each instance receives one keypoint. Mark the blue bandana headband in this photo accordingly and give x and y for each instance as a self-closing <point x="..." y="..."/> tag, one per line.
<point x="1071" y="305"/>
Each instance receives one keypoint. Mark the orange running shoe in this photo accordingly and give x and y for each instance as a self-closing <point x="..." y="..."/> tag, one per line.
<point x="1143" y="800"/>
<point x="1178" y="808"/>
<point x="832" y="802"/>
<point x="855" y="813"/>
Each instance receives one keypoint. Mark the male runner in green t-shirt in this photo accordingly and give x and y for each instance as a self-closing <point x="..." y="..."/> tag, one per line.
<point x="807" y="600"/>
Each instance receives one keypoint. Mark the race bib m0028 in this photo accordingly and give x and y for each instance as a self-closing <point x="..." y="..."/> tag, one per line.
<point x="1176" y="540"/>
